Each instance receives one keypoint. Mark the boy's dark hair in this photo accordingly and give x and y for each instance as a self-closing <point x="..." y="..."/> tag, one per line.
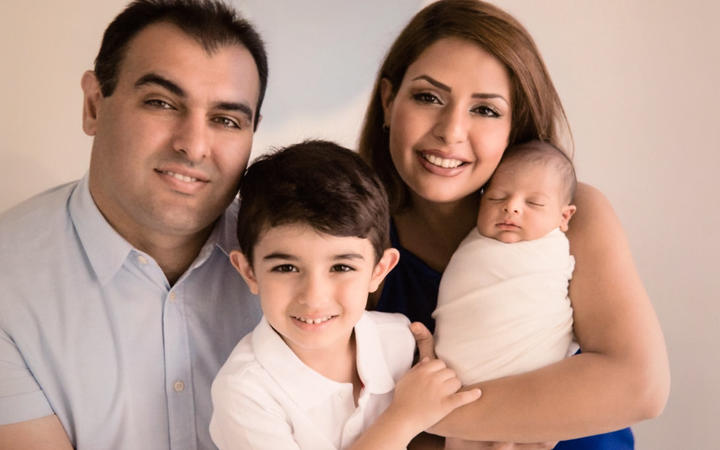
<point x="317" y="183"/>
<point x="545" y="153"/>
<point x="211" y="22"/>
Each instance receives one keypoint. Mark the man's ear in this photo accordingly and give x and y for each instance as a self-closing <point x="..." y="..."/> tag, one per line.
<point x="386" y="98"/>
<point x="388" y="260"/>
<point x="244" y="268"/>
<point x="92" y="96"/>
<point x="567" y="213"/>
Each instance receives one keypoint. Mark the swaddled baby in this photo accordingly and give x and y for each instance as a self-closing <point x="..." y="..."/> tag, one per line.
<point x="503" y="305"/>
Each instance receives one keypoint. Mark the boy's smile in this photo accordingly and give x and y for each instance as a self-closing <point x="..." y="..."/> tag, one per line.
<point x="313" y="286"/>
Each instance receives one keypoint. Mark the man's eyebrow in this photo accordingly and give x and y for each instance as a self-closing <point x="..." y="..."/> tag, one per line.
<point x="235" y="106"/>
<point x="153" y="78"/>
<point x="447" y="88"/>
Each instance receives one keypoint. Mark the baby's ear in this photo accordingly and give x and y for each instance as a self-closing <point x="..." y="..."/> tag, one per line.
<point x="244" y="268"/>
<point x="388" y="260"/>
<point x="567" y="213"/>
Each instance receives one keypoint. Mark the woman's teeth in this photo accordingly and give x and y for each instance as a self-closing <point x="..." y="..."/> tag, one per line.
<point x="445" y="163"/>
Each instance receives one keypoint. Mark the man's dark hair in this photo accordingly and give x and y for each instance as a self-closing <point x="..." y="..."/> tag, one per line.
<point x="316" y="183"/>
<point x="211" y="22"/>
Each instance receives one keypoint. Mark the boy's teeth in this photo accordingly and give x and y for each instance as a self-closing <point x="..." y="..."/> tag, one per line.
<point x="442" y="162"/>
<point x="181" y="177"/>
<point x="314" y="321"/>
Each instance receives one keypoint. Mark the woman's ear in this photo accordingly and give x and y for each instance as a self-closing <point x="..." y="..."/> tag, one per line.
<point x="92" y="96"/>
<point x="386" y="98"/>
<point x="567" y="213"/>
<point x="244" y="268"/>
<point x="388" y="260"/>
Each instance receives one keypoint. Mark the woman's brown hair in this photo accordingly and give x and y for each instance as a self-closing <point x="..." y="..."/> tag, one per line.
<point x="537" y="113"/>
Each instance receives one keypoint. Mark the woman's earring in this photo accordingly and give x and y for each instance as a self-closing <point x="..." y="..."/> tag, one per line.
<point x="385" y="127"/>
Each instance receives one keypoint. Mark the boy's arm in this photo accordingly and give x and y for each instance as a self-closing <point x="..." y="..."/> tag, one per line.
<point x="424" y="395"/>
<point x="45" y="433"/>
<point x="621" y="377"/>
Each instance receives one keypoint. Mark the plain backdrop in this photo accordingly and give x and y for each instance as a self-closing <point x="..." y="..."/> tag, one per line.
<point x="639" y="80"/>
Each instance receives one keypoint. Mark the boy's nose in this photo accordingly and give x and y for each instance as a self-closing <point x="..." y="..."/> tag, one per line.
<point x="314" y="291"/>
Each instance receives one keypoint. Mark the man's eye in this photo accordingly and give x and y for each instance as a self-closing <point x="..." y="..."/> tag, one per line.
<point x="341" y="268"/>
<point x="283" y="268"/>
<point x="227" y="122"/>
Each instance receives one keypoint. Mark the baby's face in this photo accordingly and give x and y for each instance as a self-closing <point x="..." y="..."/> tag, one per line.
<point x="524" y="201"/>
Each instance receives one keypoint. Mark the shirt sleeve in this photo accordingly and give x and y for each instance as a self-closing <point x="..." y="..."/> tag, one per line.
<point x="245" y="416"/>
<point x="21" y="398"/>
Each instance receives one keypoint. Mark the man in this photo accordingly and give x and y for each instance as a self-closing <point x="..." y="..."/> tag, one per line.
<point x="118" y="301"/>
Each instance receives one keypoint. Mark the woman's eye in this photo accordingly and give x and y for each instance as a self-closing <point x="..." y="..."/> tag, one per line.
<point x="426" y="97"/>
<point x="341" y="268"/>
<point x="486" y="111"/>
<point x="284" y="268"/>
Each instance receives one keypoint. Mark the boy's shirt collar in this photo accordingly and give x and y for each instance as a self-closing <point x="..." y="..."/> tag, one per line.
<point x="307" y="387"/>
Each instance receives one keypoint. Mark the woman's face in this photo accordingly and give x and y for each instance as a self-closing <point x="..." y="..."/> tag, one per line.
<point x="449" y="120"/>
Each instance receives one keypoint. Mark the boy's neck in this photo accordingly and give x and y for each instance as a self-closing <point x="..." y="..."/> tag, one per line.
<point x="339" y="364"/>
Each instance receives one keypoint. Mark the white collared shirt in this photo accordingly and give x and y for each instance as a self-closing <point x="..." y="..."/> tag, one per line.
<point x="264" y="397"/>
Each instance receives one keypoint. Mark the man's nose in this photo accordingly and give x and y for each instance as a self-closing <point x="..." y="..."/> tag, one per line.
<point x="191" y="137"/>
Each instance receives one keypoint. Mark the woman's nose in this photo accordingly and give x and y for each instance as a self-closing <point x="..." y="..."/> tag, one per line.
<point x="451" y="127"/>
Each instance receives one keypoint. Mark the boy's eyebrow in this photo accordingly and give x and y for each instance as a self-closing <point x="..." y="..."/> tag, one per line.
<point x="349" y="256"/>
<point x="153" y="78"/>
<point x="278" y="255"/>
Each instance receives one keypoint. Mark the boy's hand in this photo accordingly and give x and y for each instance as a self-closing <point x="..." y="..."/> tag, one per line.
<point x="424" y="340"/>
<point x="427" y="393"/>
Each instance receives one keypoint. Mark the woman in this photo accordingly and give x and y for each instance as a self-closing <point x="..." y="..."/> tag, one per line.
<point x="462" y="82"/>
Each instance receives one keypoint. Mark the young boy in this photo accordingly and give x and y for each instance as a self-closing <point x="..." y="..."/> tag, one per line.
<point x="503" y="307"/>
<point x="319" y="371"/>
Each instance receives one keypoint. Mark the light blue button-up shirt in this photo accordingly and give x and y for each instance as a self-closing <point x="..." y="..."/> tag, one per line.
<point x="92" y="331"/>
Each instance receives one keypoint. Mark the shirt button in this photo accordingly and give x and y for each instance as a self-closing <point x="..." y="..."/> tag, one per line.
<point x="142" y="260"/>
<point x="172" y="296"/>
<point x="179" y="386"/>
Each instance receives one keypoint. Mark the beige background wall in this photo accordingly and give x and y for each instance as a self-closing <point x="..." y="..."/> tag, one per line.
<point x="638" y="78"/>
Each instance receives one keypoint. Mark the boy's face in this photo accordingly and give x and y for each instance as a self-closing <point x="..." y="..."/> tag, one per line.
<point x="524" y="201"/>
<point x="313" y="287"/>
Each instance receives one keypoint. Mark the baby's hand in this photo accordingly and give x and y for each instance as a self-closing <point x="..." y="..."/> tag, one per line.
<point x="427" y="393"/>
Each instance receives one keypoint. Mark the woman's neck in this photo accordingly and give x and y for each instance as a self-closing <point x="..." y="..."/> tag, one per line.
<point x="433" y="231"/>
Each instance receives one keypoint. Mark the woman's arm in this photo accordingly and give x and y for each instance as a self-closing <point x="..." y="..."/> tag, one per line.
<point x="621" y="377"/>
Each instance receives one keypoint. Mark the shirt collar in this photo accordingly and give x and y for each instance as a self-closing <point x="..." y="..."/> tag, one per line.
<point x="308" y="388"/>
<point x="107" y="250"/>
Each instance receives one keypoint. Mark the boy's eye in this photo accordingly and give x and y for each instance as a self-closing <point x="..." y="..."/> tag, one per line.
<point x="157" y="103"/>
<point x="283" y="268"/>
<point x="341" y="268"/>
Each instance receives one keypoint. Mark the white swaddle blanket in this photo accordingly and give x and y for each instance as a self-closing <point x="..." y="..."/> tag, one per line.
<point x="503" y="309"/>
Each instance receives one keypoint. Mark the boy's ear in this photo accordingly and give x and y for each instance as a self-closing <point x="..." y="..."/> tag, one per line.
<point x="567" y="213"/>
<point x="92" y="96"/>
<point x="386" y="98"/>
<point x="388" y="260"/>
<point x="244" y="268"/>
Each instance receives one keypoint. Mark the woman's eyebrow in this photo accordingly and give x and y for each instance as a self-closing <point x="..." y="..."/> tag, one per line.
<point x="447" y="88"/>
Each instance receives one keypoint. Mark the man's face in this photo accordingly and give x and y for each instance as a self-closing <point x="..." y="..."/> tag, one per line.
<point x="174" y="138"/>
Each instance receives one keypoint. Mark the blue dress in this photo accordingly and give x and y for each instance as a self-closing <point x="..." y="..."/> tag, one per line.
<point x="411" y="288"/>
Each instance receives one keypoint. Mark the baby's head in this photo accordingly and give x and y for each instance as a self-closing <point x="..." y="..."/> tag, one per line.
<point x="313" y="228"/>
<point x="529" y="195"/>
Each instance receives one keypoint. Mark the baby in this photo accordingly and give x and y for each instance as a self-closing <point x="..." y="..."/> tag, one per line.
<point x="503" y="305"/>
